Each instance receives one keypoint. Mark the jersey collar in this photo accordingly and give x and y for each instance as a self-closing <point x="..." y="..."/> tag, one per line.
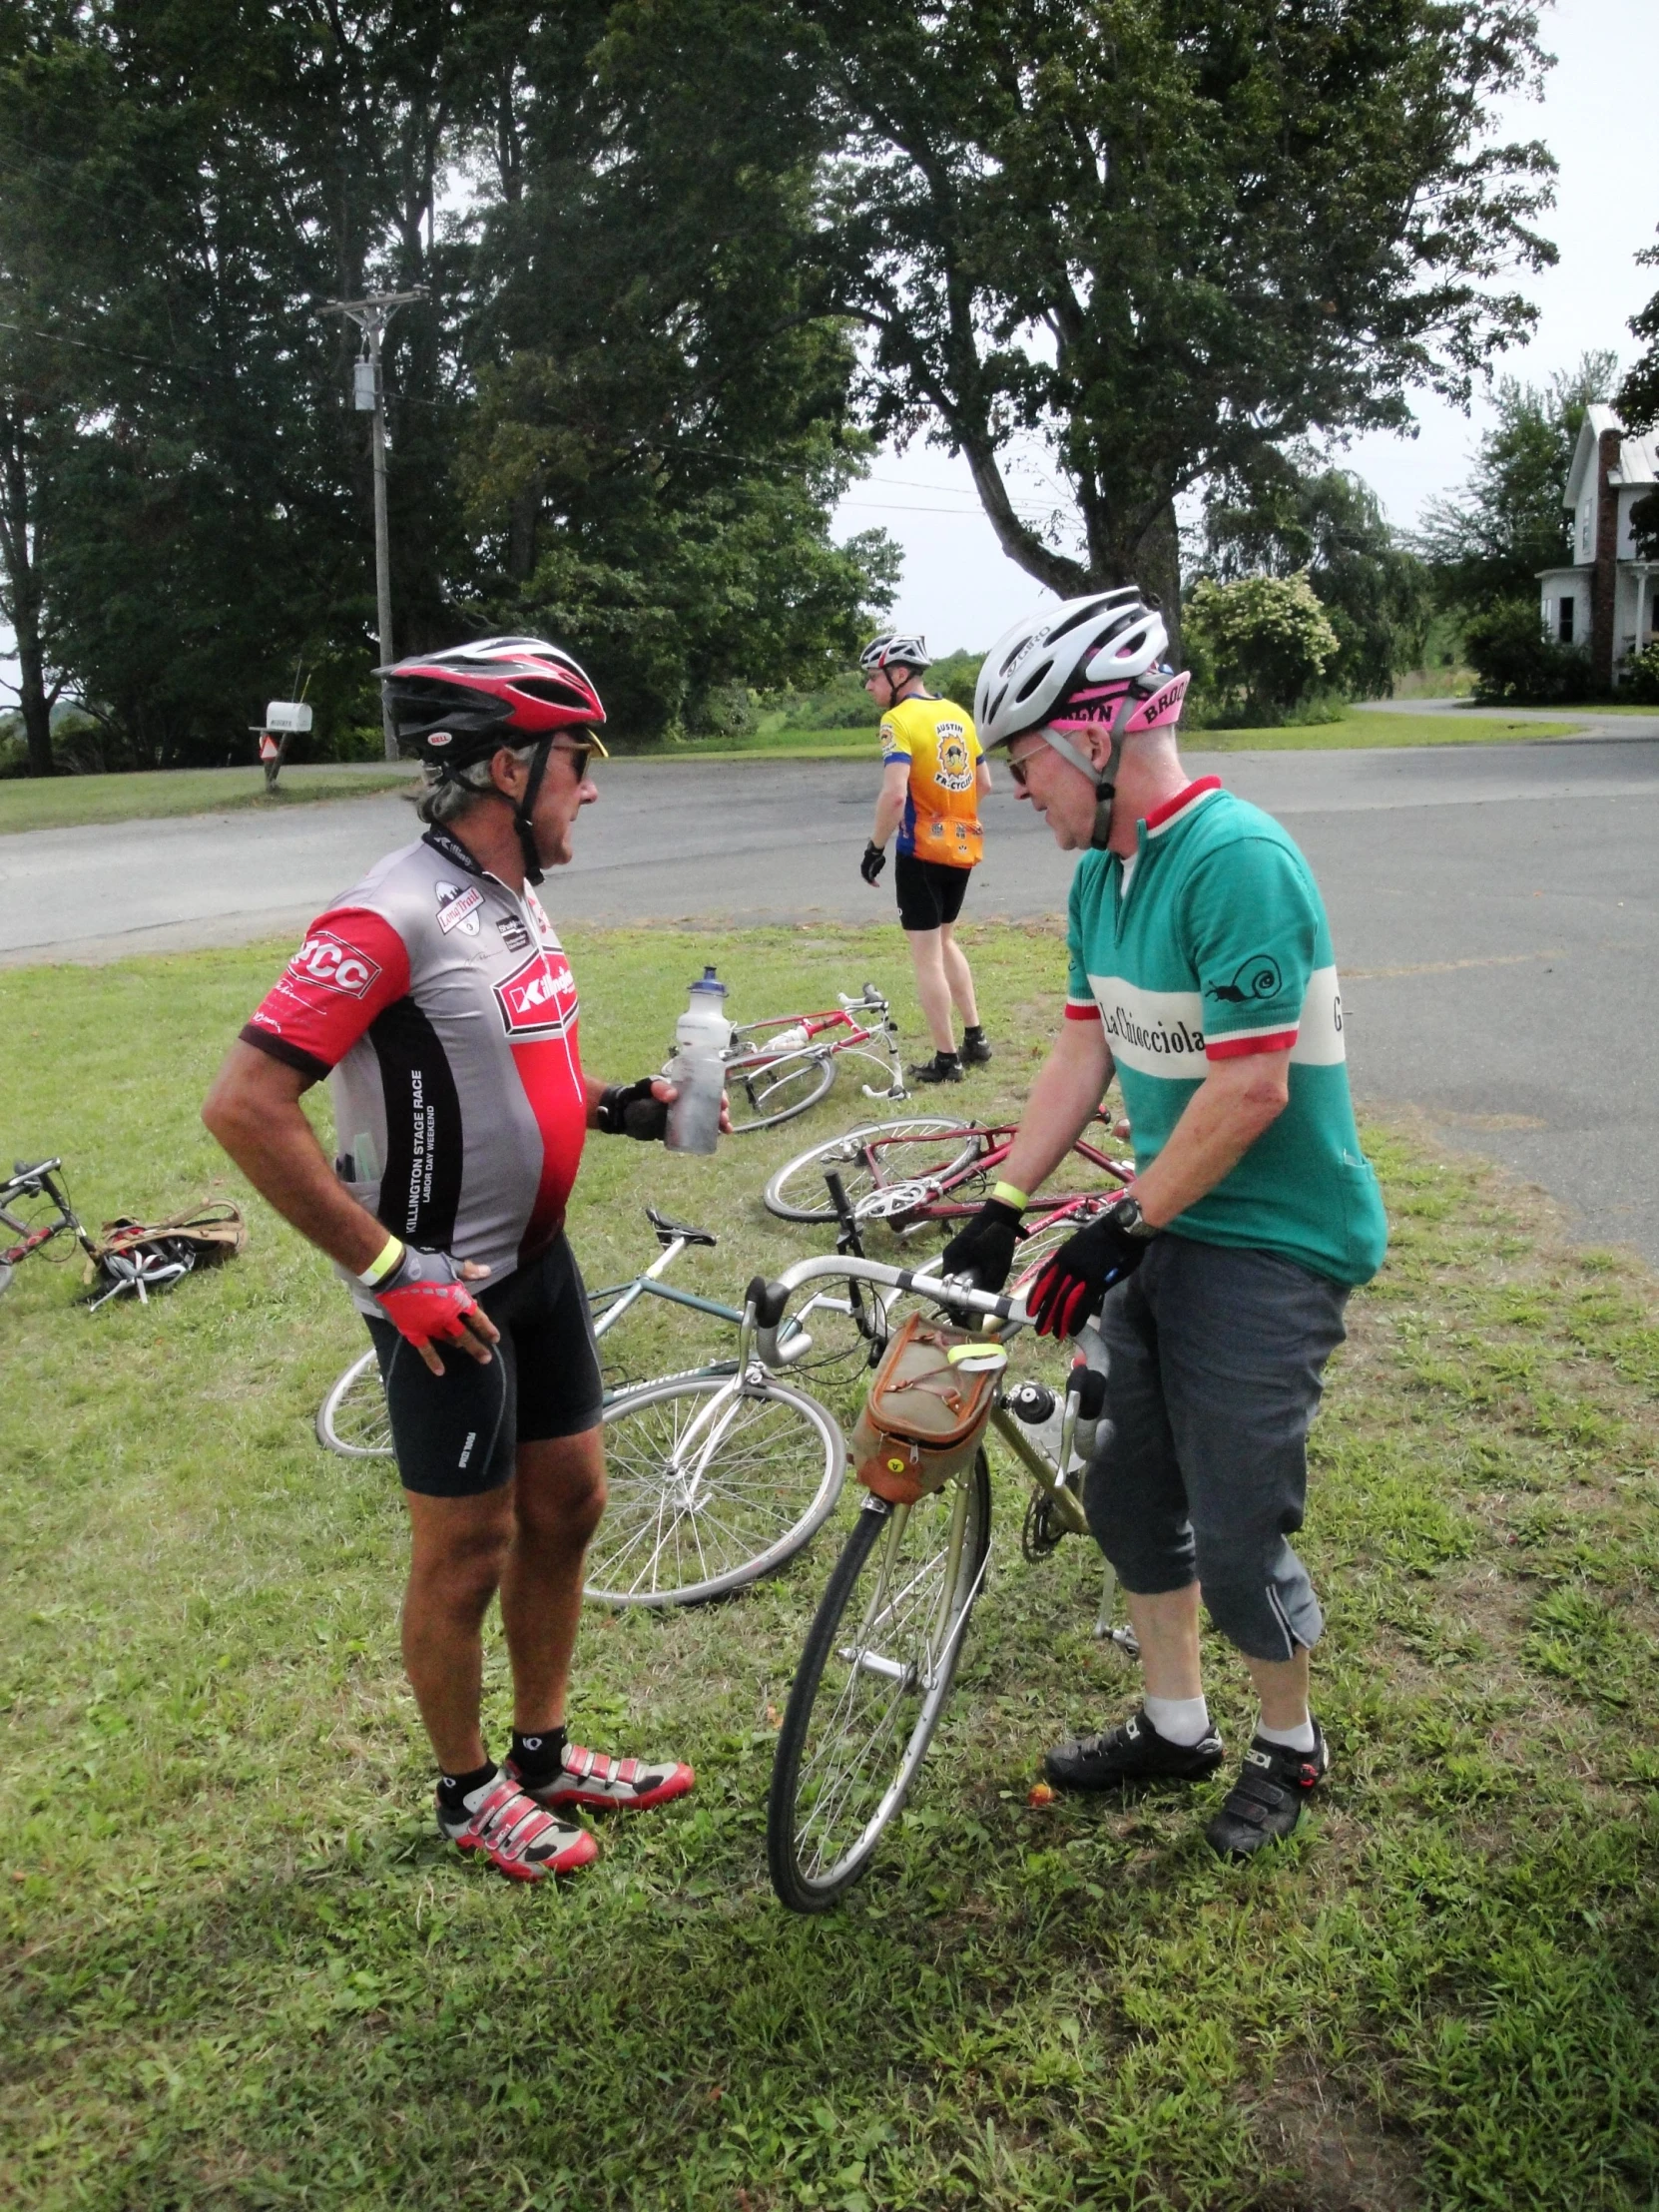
<point x="451" y="849"/>
<point x="1173" y="809"/>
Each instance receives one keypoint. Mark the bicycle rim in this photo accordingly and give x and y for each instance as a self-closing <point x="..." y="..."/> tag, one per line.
<point x="352" y="1419"/>
<point x="874" y="1680"/>
<point x="712" y="1484"/>
<point x="797" y="1192"/>
<point x="761" y="1093"/>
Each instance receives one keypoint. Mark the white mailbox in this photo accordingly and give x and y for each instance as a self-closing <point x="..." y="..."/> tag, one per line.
<point x="288" y="716"/>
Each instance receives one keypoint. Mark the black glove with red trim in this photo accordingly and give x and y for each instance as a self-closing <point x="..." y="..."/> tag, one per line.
<point x="425" y="1298"/>
<point x="1073" y="1286"/>
<point x="633" y="1110"/>
<point x="983" y="1248"/>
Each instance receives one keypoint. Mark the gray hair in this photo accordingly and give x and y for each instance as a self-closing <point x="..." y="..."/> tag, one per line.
<point x="447" y="793"/>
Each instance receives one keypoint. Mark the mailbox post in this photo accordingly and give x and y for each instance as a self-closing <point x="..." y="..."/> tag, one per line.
<point x="284" y="719"/>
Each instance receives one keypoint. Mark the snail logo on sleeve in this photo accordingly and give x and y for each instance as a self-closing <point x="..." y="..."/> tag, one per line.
<point x="538" y="999"/>
<point x="457" y="908"/>
<point x="1259" y="977"/>
<point x="328" y="960"/>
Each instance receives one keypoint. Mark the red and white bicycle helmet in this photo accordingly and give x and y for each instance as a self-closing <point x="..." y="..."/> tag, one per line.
<point x="460" y="705"/>
<point x="1089" y="662"/>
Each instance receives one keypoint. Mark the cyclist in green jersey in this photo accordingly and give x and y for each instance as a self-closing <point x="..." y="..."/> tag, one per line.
<point x="1202" y="974"/>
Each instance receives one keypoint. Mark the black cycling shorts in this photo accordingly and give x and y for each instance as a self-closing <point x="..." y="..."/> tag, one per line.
<point x="930" y="894"/>
<point x="455" y="1434"/>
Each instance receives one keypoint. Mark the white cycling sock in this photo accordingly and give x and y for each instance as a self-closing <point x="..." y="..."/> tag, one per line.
<point x="1293" y="1739"/>
<point x="1179" y="1720"/>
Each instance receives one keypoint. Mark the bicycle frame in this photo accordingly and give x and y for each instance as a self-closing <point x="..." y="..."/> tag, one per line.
<point x="38" y="1182"/>
<point x="824" y="1041"/>
<point x="926" y="1198"/>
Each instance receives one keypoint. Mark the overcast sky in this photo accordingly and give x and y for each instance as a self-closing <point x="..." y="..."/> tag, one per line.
<point x="1600" y="121"/>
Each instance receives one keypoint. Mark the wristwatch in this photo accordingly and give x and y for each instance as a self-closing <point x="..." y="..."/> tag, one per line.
<point x="1126" y="1212"/>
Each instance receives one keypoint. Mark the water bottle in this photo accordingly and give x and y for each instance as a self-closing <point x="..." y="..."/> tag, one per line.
<point x="697" y="1069"/>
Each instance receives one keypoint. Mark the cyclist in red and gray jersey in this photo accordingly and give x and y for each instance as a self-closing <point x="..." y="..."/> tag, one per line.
<point x="436" y="998"/>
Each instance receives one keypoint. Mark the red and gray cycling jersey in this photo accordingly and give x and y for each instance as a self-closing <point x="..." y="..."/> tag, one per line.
<point x="443" y="1009"/>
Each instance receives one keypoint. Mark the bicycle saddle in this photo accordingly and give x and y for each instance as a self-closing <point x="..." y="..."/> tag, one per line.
<point x="668" y="1230"/>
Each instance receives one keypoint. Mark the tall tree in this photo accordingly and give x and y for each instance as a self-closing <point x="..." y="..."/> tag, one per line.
<point x="665" y="423"/>
<point x="1639" y="405"/>
<point x="1487" y="543"/>
<point x="1159" y="235"/>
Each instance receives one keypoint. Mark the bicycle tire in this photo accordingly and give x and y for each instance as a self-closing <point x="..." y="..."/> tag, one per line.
<point x="837" y="1777"/>
<point x="788" y="1191"/>
<point x="768" y="1478"/>
<point x="761" y="1093"/>
<point x="352" y="1419"/>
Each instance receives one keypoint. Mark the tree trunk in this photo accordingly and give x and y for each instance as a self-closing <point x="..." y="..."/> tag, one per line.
<point x="22" y="598"/>
<point x="1157" y="572"/>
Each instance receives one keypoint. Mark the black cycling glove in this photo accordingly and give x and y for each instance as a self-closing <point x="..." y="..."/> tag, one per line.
<point x="1074" y="1284"/>
<point x="630" y="1110"/>
<point x="873" y="861"/>
<point x="984" y="1247"/>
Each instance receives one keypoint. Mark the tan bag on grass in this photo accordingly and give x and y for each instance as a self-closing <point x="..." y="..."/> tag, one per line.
<point x="210" y="1234"/>
<point x="925" y="1413"/>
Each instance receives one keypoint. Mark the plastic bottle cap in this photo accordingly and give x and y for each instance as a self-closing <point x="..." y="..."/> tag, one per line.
<point x="710" y="982"/>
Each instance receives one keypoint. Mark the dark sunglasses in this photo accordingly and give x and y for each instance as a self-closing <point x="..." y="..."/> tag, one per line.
<point x="578" y="755"/>
<point x="1017" y="769"/>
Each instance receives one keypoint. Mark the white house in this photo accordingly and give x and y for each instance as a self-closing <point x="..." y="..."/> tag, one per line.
<point x="1605" y="600"/>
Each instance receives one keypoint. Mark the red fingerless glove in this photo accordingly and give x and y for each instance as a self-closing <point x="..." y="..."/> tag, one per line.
<point x="425" y="1298"/>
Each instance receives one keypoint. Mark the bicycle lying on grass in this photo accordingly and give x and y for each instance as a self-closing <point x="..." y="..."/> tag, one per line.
<point x="34" y="1206"/>
<point x="718" y="1473"/>
<point x="879" y="1658"/>
<point x="778" y="1067"/>
<point x="924" y="1170"/>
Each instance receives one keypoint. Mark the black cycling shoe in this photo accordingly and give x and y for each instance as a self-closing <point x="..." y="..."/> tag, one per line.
<point x="976" y="1049"/>
<point x="1132" y="1753"/>
<point x="1265" y="1802"/>
<point x="943" y="1067"/>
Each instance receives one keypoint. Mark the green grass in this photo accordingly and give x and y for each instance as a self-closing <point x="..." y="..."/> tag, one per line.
<point x="62" y="801"/>
<point x="240" y="1972"/>
<point x="1361" y="727"/>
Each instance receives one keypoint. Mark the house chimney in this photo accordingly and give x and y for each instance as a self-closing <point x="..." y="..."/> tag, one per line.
<point x="1604" y="574"/>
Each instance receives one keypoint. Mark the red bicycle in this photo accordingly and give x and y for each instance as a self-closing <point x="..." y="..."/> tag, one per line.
<point x="778" y="1067"/>
<point x="35" y="1207"/>
<point x="911" y="1174"/>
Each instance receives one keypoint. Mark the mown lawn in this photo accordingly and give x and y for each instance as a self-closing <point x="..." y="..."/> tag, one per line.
<point x="240" y="1970"/>
<point x="62" y="801"/>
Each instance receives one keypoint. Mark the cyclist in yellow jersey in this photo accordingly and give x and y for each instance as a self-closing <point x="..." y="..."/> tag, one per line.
<point x="934" y="776"/>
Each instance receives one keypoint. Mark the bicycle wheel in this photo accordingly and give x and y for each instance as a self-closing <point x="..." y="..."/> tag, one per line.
<point x="874" y="1678"/>
<point x="760" y="1093"/>
<point x="714" y="1483"/>
<point x="797" y="1192"/>
<point x="352" y="1419"/>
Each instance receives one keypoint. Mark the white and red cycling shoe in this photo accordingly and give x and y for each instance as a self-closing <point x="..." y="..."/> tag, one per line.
<point x="518" y="1837"/>
<point x="598" y="1783"/>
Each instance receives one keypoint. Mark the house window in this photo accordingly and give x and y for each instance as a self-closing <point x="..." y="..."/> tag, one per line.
<point x="1564" y="620"/>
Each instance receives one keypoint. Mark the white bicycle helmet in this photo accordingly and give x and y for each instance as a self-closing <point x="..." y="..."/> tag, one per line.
<point x="896" y="648"/>
<point x="1094" y="661"/>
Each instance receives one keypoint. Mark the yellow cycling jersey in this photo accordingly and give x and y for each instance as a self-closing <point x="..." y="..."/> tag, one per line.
<point x="942" y="813"/>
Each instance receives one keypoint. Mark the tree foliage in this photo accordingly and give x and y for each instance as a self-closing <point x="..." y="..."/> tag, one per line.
<point x="1639" y="393"/>
<point x="1259" y="645"/>
<point x="194" y="486"/>
<point x="1377" y="594"/>
<point x="1487" y="543"/>
<point x="1158" y="237"/>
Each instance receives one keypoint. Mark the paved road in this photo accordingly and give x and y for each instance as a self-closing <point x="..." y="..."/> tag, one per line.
<point x="1493" y="908"/>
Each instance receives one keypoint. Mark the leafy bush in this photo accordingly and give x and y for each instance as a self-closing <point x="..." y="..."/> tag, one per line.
<point x="723" y="710"/>
<point x="1515" y="664"/>
<point x="1258" y="648"/>
<point x="1641" y="679"/>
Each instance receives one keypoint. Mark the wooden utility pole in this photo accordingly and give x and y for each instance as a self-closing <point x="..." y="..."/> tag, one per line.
<point x="371" y="314"/>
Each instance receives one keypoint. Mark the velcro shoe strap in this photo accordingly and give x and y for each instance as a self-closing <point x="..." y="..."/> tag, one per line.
<point x="1255" y="1798"/>
<point x="627" y="1770"/>
<point x="588" y="1765"/>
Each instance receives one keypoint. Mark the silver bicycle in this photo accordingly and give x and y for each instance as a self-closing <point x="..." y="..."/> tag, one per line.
<point x="879" y="1659"/>
<point x="718" y="1475"/>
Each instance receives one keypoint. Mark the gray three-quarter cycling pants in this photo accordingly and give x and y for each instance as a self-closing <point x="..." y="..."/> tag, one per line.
<point x="1215" y="1359"/>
